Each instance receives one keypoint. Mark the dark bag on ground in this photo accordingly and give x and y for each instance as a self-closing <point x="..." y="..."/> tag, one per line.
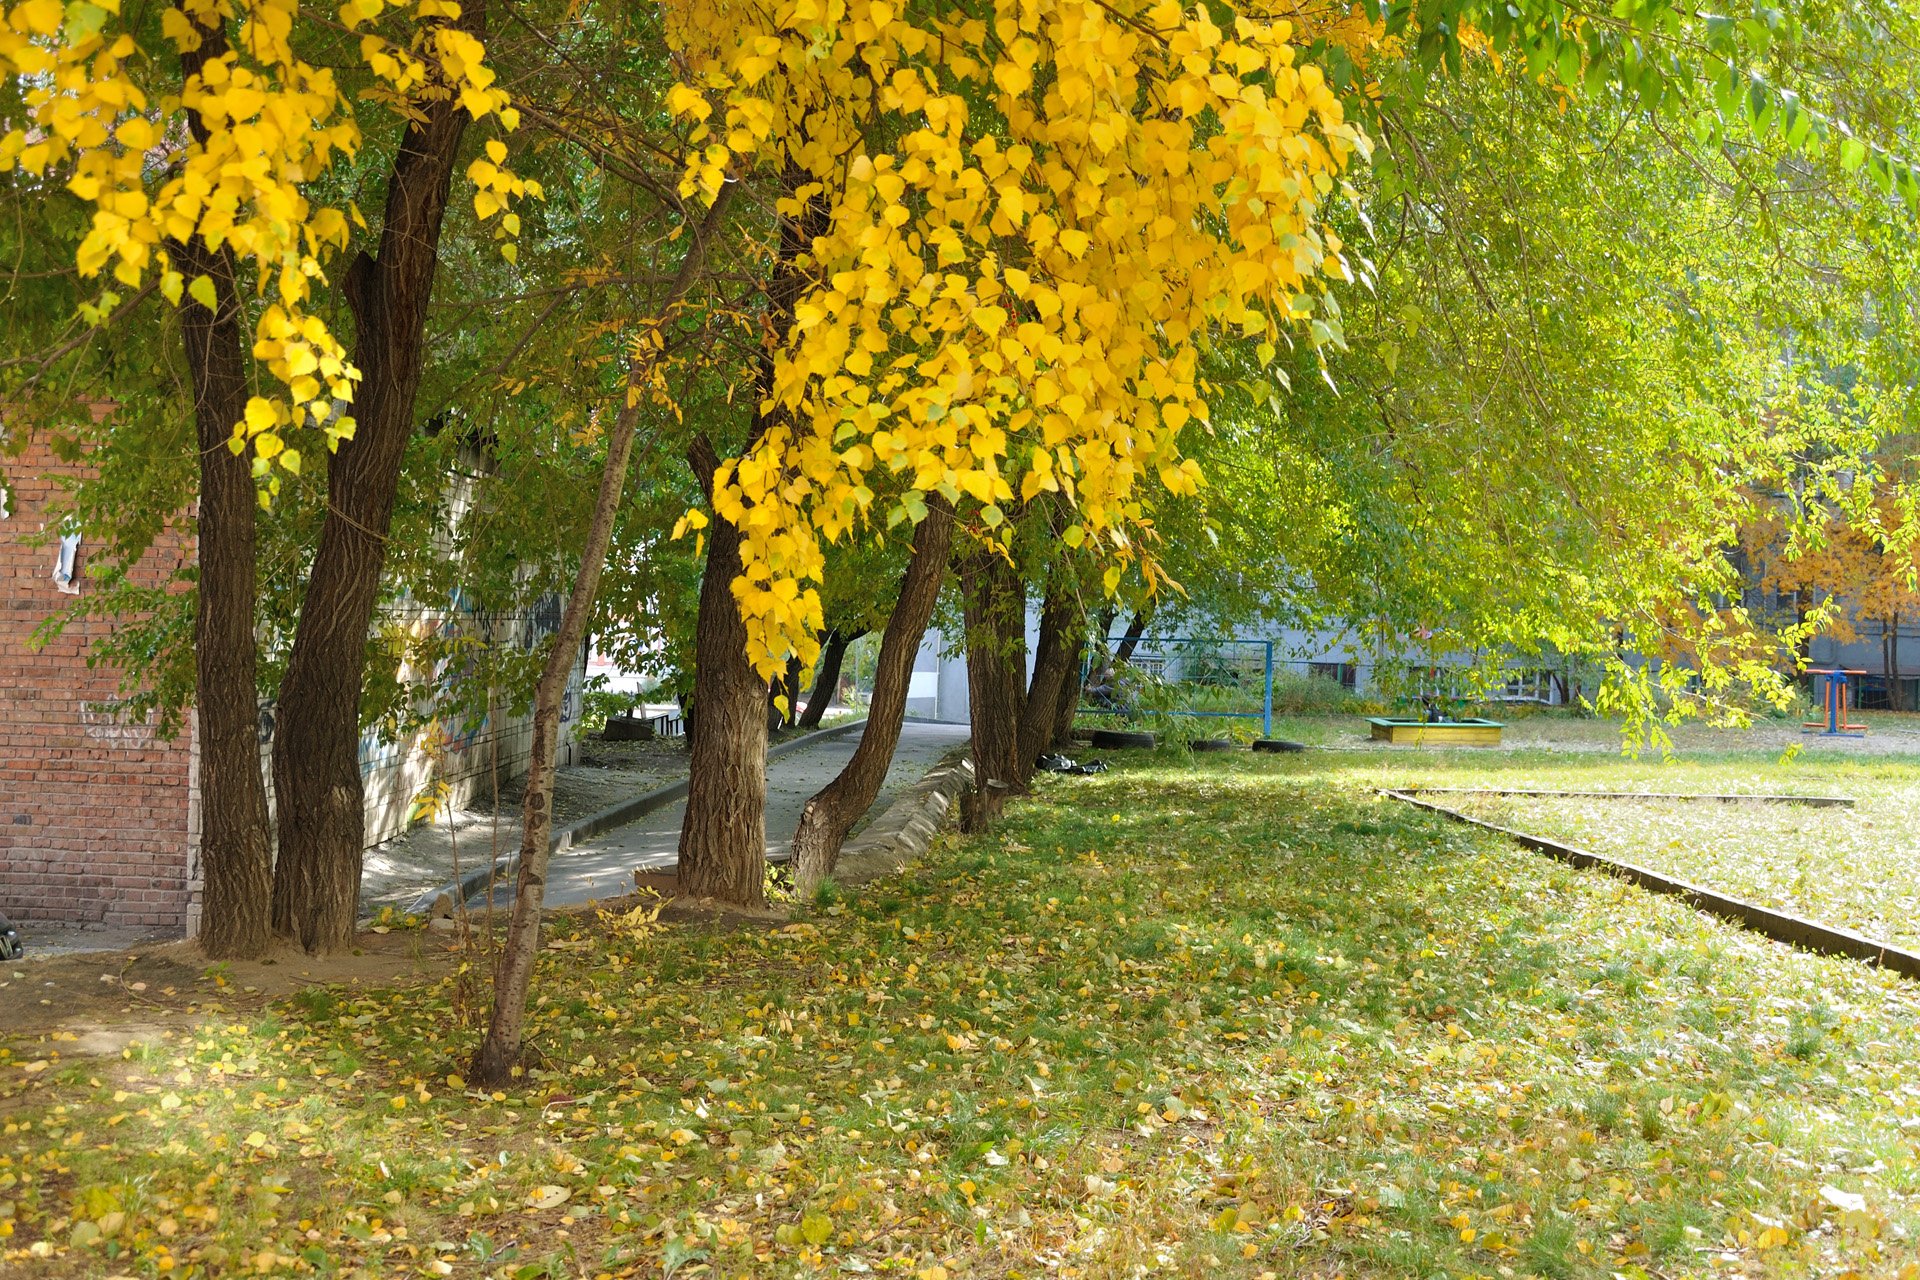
<point x="1052" y="763"/>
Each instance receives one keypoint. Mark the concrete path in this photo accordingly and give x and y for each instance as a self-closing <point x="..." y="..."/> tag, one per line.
<point x="603" y="867"/>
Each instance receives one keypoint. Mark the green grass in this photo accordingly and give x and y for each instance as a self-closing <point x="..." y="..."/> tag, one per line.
<point x="1858" y="867"/>
<point x="1231" y="1018"/>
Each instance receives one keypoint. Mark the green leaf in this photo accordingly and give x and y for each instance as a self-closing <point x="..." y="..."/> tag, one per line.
<point x="201" y="291"/>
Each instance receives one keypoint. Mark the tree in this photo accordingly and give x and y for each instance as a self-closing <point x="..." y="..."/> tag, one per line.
<point x="831" y="812"/>
<point x="316" y="751"/>
<point x="1857" y="563"/>
<point x="236" y="855"/>
<point x="1574" y="359"/>
<point x="498" y="1058"/>
<point x="1034" y="153"/>
<point x="965" y="317"/>
<point x="183" y="212"/>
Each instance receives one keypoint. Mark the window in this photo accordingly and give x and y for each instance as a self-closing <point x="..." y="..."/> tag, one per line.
<point x="1343" y="674"/>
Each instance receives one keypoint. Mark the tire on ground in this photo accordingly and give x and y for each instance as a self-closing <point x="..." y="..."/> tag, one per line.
<point x="1123" y="740"/>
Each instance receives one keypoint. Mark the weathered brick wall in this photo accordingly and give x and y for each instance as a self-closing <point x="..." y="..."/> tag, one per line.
<point x="94" y="821"/>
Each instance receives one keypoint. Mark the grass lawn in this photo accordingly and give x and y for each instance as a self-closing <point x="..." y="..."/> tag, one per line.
<point x="1228" y="1018"/>
<point x="1858" y="867"/>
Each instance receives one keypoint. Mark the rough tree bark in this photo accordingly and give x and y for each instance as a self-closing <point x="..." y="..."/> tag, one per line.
<point x="499" y="1053"/>
<point x="826" y="678"/>
<point x="1056" y="666"/>
<point x="994" y="608"/>
<point x="723" y="838"/>
<point x="316" y="750"/>
<point x="1067" y="708"/>
<point x="831" y="813"/>
<point x="236" y="857"/>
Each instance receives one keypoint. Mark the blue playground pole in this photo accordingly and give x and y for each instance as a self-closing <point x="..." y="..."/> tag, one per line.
<point x="1266" y="705"/>
<point x="1835" y="683"/>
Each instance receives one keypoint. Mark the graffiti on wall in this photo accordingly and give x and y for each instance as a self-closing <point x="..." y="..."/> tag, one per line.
<point x="104" y="725"/>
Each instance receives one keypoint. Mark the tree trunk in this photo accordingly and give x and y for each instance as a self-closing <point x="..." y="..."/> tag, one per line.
<point x="723" y="837"/>
<point x="316" y="753"/>
<point x="1136" y="628"/>
<point x="994" y="607"/>
<point x="1056" y="666"/>
<point x="499" y="1054"/>
<point x="1066" y="709"/>
<point x="826" y="679"/>
<point x="1895" y="700"/>
<point x="236" y="856"/>
<point x="790" y="689"/>
<point x="831" y="813"/>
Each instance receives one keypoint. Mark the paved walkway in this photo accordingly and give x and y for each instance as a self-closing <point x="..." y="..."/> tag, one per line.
<point x="604" y="866"/>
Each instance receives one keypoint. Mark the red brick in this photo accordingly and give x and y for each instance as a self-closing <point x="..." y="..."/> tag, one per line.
<point x="107" y="836"/>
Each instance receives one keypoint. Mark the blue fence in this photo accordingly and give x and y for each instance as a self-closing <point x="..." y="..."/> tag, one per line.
<point x="1245" y="666"/>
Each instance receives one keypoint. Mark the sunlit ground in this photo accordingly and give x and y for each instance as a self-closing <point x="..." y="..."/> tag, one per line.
<point x="1228" y="1017"/>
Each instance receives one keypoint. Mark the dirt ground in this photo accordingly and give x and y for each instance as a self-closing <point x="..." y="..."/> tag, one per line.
<point x="108" y="1000"/>
<point x="112" y="998"/>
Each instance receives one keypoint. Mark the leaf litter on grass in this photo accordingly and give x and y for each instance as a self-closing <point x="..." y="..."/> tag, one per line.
<point x="1228" y="1019"/>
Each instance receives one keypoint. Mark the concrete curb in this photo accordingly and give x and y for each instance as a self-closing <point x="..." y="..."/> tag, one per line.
<point x="441" y="900"/>
<point x="1815" y="802"/>
<point x="1808" y="935"/>
<point x="908" y="826"/>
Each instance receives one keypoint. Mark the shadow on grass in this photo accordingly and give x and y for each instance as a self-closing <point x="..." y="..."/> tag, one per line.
<point x="1231" y="1018"/>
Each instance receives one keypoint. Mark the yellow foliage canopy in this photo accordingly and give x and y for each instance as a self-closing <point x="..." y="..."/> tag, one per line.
<point x="1865" y="561"/>
<point x="103" y="113"/>
<point x="1034" y="220"/>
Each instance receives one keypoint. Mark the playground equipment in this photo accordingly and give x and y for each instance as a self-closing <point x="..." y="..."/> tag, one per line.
<point x="1435" y="733"/>
<point x="1835" y="702"/>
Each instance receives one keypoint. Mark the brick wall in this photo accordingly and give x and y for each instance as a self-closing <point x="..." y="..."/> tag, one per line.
<point x="94" y="821"/>
<point x="99" y="819"/>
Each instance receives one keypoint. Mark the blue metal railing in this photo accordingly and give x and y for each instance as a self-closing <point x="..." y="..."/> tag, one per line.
<point x="1157" y="644"/>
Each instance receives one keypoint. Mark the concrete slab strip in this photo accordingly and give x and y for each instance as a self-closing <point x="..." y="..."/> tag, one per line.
<point x="1806" y="934"/>
<point x="1815" y="802"/>
<point x="908" y="826"/>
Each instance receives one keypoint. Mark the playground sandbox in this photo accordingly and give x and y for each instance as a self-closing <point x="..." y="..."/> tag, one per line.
<point x="1440" y="733"/>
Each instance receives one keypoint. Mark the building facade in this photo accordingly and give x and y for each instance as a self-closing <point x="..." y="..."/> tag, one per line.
<point x="99" y="816"/>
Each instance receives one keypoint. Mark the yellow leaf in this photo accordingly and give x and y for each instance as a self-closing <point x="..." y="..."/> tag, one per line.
<point x="201" y="291"/>
<point x="260" y="415"/>
<point x="41" y="17"/>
